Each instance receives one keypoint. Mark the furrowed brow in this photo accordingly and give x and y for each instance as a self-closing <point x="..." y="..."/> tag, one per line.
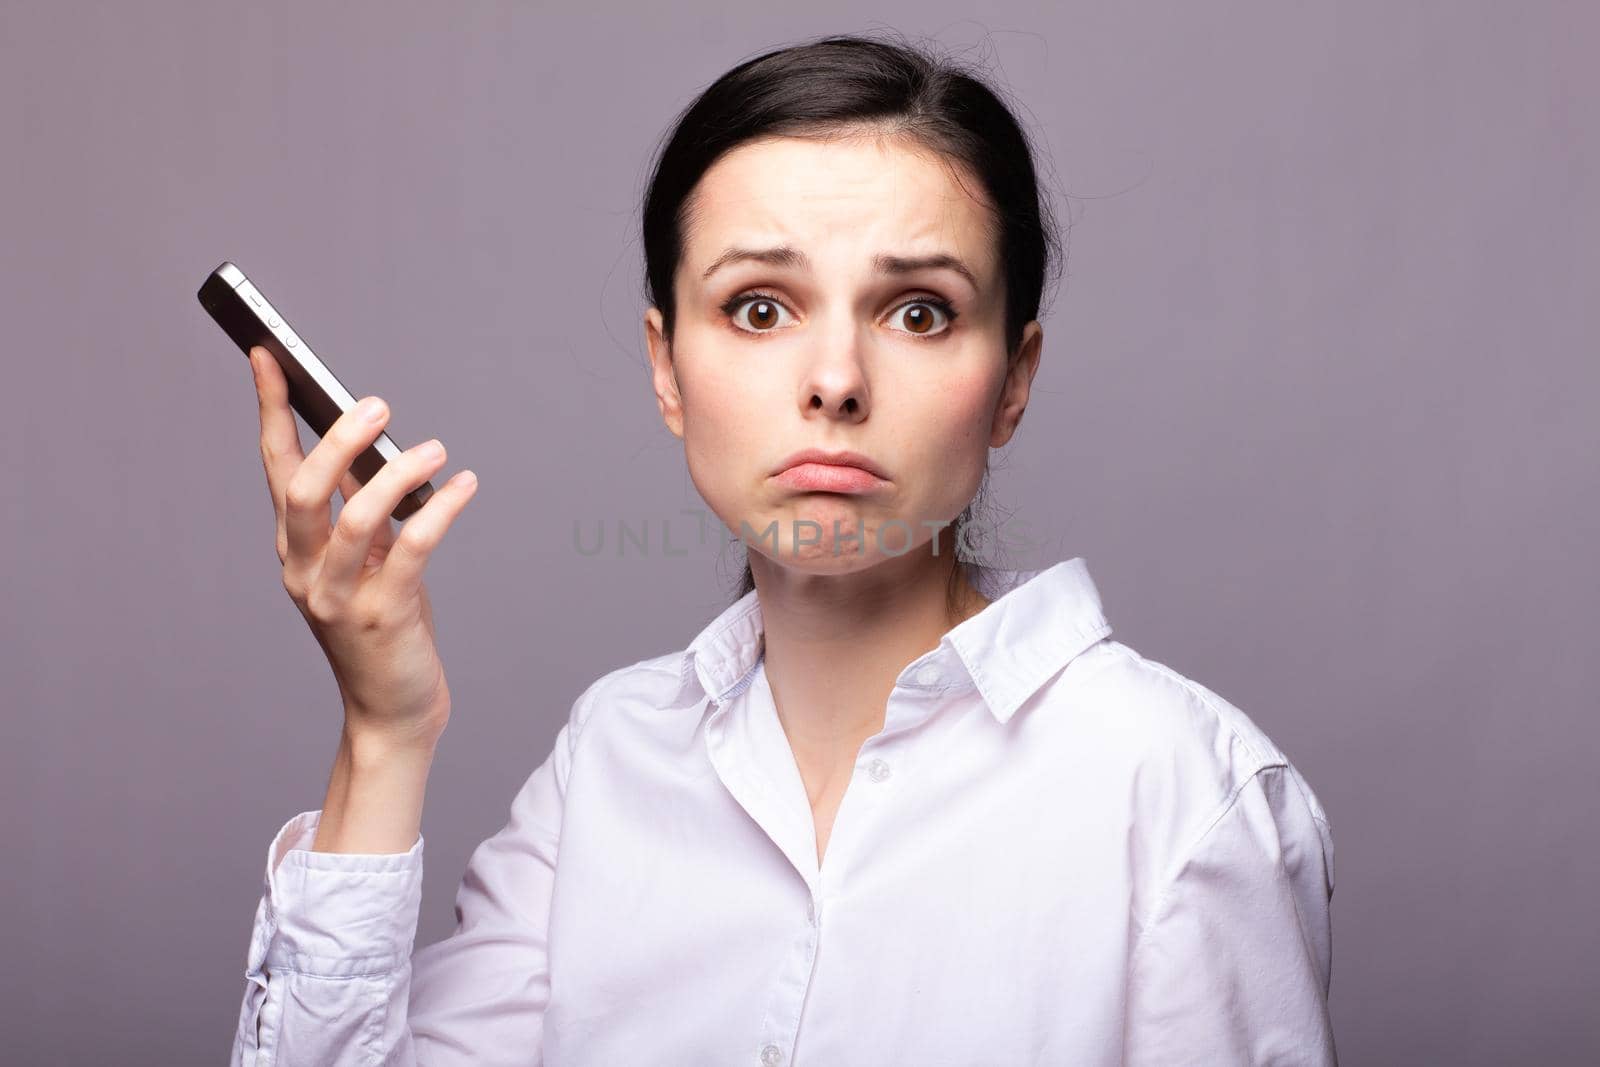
<point x="786" y="256"/>
<point x="888" y="264"/>
<point x="781" y="256"/>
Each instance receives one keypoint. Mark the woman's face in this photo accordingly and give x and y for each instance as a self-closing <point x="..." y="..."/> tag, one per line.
<point x="841" y="350"/>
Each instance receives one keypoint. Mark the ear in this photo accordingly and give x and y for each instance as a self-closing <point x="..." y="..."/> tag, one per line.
<point x="663" y="374"/>
<point x="1020" y="369"/>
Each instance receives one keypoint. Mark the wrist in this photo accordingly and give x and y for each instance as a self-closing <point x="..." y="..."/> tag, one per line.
<point x="383" y="746"/>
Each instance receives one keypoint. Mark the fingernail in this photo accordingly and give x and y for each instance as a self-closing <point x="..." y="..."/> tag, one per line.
<point x="371" y="409"/>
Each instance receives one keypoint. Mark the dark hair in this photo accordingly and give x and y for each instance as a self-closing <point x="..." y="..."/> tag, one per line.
<point x="844" y="84"/>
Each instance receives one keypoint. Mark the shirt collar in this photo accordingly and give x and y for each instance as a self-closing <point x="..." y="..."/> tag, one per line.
<point x="1038" y="621"/>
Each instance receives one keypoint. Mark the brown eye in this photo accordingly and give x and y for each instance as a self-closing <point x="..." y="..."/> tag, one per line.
<point x="754" y="313"/>
<point x="762" y="314"/>
<point x="921" y="317"/>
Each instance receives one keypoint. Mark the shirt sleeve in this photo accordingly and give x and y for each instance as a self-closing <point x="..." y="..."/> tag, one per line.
<point x="331" y="979"/>
<point x="1233" y="965"/>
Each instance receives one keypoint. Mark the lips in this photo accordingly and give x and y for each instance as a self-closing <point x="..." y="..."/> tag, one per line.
<point x="835" y="459"/>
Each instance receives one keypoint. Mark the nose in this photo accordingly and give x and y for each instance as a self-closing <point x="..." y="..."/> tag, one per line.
<point x="835" y="382"/>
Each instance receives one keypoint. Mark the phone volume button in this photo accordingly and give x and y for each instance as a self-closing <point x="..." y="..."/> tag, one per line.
<point x="290" y="340"/>
<point x="274" y="321"/>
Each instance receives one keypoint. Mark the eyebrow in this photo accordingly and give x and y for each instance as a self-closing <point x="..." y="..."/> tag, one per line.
<point x="884" y="262"/>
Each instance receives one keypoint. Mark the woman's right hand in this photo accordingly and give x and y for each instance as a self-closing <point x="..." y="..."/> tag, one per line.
<point x="359" y="585"/>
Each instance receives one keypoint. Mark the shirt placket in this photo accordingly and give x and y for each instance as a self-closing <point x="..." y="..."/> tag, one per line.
<point x="877" y="776"/>
<point x="744" y="757"/>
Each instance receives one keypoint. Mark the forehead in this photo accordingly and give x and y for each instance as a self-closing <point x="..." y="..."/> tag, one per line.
<point x="840" y="200"/>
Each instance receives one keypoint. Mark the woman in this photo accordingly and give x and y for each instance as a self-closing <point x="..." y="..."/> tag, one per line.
<point x="893" y="805"/>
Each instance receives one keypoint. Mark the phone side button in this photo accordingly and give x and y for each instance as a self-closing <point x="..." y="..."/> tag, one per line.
<point x="290" y="340"/>
<point x="274" y="321"/>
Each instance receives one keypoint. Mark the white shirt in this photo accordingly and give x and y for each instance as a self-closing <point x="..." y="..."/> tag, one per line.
<point x="1055" y="852"/>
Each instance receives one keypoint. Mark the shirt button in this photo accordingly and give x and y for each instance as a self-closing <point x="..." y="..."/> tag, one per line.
<point x="811" y="912"/>
<point x="878" y="769"/>
<point x="926" y="674"/>
<point x="771" y="1056"/>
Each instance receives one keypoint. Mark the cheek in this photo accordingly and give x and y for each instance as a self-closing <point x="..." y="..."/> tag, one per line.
<point x="963" y="409"/>
<point x="953" y="446"/>
<point x="725" y="417"/>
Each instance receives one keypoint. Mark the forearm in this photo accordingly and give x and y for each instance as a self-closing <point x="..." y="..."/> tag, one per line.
<point x="375" y="796"/>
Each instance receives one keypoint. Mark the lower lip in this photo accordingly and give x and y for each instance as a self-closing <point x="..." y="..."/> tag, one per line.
<point x="828" y="478"/>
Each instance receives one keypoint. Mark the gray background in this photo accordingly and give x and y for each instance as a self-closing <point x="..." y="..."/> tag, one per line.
<point x="1316" y="406"/>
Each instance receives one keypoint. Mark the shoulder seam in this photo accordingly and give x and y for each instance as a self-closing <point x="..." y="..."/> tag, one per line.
<point x="581" y="713"/>
<point x="590" y="696"/>
<point x="1263" y="759"/>
<point x="587" y="700"/>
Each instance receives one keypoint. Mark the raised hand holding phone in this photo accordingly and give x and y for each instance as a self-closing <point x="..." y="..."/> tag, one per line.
<point x="358" y="584"/>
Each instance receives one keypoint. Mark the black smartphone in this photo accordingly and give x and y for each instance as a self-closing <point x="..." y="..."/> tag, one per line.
<point x="319" y="397"/>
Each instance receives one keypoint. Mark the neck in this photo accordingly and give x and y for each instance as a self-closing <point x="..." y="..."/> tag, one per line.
<point x="836" y="642"/>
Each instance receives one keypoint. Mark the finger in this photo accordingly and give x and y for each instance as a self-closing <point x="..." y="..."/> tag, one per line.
<point x="308" y="498"/>
<point x="280" y="438"/>
<point x="349" y="487"/>
<point x="402" y="572"/>
<point x="368" y="511"/>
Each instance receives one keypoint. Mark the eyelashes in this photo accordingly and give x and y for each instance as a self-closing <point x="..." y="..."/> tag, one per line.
<point x="942" y="306"/>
